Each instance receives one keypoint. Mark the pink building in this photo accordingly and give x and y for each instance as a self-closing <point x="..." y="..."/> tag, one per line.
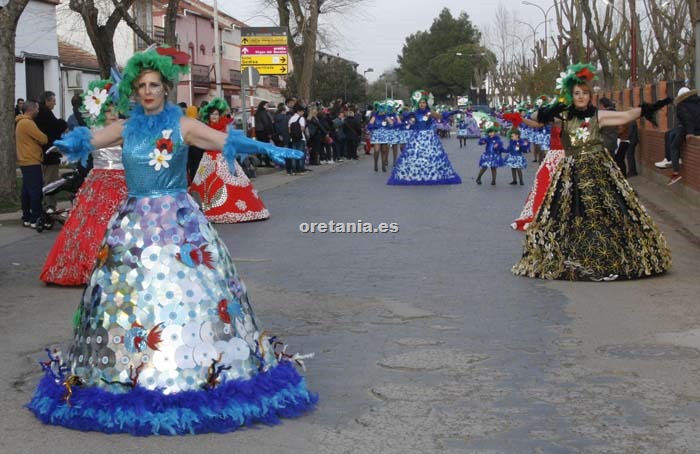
<point x="195" y="35"/>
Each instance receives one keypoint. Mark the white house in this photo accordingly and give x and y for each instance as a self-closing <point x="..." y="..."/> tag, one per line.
<point x="36" y="52"/>
<point x="78" y="68"/>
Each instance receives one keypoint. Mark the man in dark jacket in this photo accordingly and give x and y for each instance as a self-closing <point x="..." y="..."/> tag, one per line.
<point x="687" y="104"/>
<point x="53" y="128"/>
<point x="353" y="132"/>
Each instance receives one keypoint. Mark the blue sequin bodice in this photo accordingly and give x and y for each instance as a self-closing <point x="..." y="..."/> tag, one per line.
<point x="154" y="153"/>
<point x="424" y="120"/>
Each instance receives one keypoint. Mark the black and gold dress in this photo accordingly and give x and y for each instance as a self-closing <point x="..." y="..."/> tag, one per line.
<point x="591" y="225"/>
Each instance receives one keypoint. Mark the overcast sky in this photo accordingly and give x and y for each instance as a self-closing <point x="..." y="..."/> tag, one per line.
<point x="374" y="33"/>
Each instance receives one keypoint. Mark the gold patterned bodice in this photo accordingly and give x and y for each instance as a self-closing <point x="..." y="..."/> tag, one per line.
<point x="580" y="136"/>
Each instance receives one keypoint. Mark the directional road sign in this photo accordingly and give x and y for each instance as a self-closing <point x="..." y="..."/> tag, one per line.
<point x="263" y="50"/>
<point x="255" y="60"/>
<point x="271" y="70"/>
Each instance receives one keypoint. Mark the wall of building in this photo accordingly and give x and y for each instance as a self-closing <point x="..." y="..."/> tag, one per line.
<point x="36" y="38"/>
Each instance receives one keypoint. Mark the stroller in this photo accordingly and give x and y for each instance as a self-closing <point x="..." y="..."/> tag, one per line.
<point x="70" y="184"/>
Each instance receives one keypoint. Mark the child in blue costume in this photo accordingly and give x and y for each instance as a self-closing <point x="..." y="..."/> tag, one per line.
<point x="515" y="159"/>
<point x="491" y="158"/>
<point x="462" y="132"/>
<point x="424" y="161"/>
<point x="165" y="339"/>
<point x="380" y="129"/>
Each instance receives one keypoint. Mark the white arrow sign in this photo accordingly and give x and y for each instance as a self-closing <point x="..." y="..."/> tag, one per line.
<point x="244" y="50"/>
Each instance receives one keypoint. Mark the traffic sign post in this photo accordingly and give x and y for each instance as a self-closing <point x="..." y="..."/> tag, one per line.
<point x="249" y="79"/>
<point x="265" y="48"/>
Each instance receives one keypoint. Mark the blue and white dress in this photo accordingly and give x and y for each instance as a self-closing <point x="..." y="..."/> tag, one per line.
<point x="165" y="339"/>
<point x="462" y="129"/>
<point x="515" y="158"/>
<point x="381" y="132"/>
<point x="423" y="161"/>
<point x="491" y="157"/>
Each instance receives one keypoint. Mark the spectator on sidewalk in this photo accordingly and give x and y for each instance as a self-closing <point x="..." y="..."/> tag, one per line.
<point x="53" y="128"/>
<point x="29" y="158"/>
<point x="76" y="118"/>
<point x="297" y="134"/>
<point x="353" y="133"/>
<point x="281" y="130"/>
<point x="19" y="106"/>
<point x="687" y="105"/>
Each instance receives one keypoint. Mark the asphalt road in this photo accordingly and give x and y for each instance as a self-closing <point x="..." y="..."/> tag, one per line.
<point x="424" y="340"/>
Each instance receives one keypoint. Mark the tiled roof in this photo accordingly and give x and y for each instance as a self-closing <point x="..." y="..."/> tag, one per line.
<point x="74" y="56"/>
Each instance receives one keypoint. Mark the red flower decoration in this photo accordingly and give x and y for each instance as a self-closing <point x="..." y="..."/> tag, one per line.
<point x="223" y="312"/>
<point x="108" y="86"/>
<point x="585" y="124"/>
<point x="179" y="58"/>
<point x="164" y="145"/>
<point x="585" y="74"/>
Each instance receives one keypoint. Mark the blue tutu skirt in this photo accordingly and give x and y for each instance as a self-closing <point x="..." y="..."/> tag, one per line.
<point x="516" y="161"/>
<point x="381" y="136"/>
<point x="423" y="161"/>
<point x="490" y="159"/>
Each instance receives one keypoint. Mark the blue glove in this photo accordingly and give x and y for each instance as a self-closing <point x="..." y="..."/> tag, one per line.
<point x="75" y="145"/>
<point x="239" y="144"/>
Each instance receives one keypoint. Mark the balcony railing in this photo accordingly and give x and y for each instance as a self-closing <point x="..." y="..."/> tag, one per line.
<point x="200" y="75"/>
<point x="158" y="36"/>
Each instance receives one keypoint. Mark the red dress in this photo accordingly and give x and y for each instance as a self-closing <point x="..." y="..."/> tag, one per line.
<point x="542" y="180"/>
<point x="226" y="197"/>
<point x="74" y="252"/>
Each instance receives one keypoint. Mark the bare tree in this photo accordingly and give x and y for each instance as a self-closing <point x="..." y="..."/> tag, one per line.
<point x="670" y="26"/>
<point x="570" y="24"/>
<point x="605" y="37"/>
<point x="301" y="19"/>
<point x="101" y="35"/>
<point x="9" y="16"/>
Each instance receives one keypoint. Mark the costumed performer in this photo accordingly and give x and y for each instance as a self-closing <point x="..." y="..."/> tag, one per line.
<point x="424" y="161"/>
<point x="226" y="194"/>
<point x="591" y="225"/>
<point x="515" y="159"/>
<point x="380" y="128"/>
<point x="165" y="338"/>
<point x="491" y="157"/>
<point x="72" y="257"/>
<point x="534" y="199"/>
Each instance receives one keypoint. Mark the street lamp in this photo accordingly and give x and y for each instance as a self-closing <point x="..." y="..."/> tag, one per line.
<point x="368" y="70"/>
<point x="545" y="12"/>
<point x="534" y="34"/>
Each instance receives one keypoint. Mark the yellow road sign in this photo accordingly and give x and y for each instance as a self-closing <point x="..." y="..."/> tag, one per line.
<point x="255" y="60"/>
<point x="269" y="70"/>
<point x="264" y="40"/>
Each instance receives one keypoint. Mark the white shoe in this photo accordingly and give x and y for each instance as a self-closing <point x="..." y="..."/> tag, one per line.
<point x="331" y="162"/>
<point x="50" y="210"/>
<point x="665" y="164"/>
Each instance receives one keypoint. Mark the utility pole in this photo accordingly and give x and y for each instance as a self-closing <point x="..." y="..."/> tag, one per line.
<point x="217" y="50"/>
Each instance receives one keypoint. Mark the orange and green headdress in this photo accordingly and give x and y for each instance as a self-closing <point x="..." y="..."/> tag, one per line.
<point x="580" y="73"/>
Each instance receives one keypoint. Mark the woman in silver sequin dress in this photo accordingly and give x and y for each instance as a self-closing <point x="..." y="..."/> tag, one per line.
<point x="165" y="339"/>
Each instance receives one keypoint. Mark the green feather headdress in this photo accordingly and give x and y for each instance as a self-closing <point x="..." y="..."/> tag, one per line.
<point x="169" y="62"/>
<point x="215" y="104"/>
<point x="577" y="74"/>
<point x="419" y="95"/>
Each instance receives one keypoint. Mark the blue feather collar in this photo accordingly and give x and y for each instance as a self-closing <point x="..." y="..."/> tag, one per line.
<point x="141" y="126"/>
